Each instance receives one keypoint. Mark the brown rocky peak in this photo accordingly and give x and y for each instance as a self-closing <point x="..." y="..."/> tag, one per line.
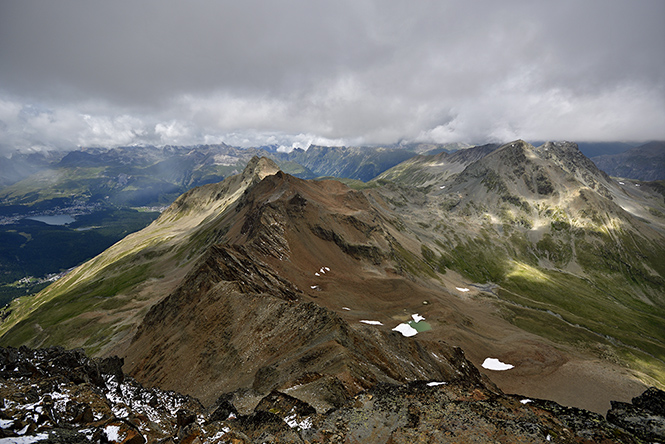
<point x="258" y="168"/>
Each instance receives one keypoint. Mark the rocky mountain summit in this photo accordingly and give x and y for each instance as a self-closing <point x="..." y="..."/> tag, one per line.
<point x="58" y="396"/>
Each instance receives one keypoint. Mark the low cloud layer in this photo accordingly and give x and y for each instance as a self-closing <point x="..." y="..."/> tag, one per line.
<point x="78" y="73"/>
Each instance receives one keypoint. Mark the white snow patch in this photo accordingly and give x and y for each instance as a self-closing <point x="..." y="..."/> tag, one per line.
<point x="113" y="433"/>
<point x="346" y="308"/>
<point x="621" y="183"/>
<point x="371" y="322"/>
<point x="6" y="423"/>
<point x="417" y="318"/>
<point x="495" y="364"/>
<point x="406" y="330"/>
<point x="293" y="422"/>
<point x="313" y="287"/>
<point x="434" y="384"/>
<point x="463" y="290"/>
<point x="219" y="435"/>
<point x="317" y="274"/>
<point x="526" y="401"/>
<point x="326" y="268"/>
<point x="23" y="431"/>
<point x="120" y="412"/>
<point x="442" y="187"/>
<point x="24" y="439"/>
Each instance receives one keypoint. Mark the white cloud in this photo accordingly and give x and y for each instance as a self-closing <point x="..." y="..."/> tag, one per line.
<point x="174" y="132"/>
<point x="110" y="131"/>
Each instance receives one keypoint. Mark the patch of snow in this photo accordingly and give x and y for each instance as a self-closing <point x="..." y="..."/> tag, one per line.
<point x="313" y="287"/>
<point x="371" y="322"/>
<point x="434" y="384"/>
<point x="6" y="423"/>
<point x="293" y="422"/>
<point x="113" y="433"/>
<point x="326" y="268"/>
<point x="346" y="308"/>
<point x="23" y="431"/>
<point x="621" y="183"/>
<point x="417" y="318"/>
<point x="219" y="435"/>
<point x="406" y="330"/>
<point x="442" y="187"/>
<point x="549" y="437"/>
<point x="317" y="274"/>
<point x="25" y="439"/>
<point x="496" y="365"/>
<point x="463" y="290"/>
<point x="120" y="412"/>
<point x="526" y="401"/>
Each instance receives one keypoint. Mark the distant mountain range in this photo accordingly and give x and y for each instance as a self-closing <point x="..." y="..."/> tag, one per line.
<point x="644" y="162"/>
<point x="266" y="282"/>
<point x="112" y="192"/>
<point x="147" y="175"/>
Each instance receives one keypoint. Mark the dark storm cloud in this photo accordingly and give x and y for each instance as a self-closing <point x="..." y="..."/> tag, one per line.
<point x="292" y="72"/>
<point x="148" y="50"/>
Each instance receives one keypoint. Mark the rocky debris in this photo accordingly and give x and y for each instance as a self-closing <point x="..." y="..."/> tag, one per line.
<point x="645" y="417"/>
<point x="59" y="396"/>
<point x="68" y="397"/>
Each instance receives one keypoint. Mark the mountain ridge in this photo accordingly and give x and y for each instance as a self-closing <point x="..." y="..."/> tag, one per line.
<point x="486" y="277"/>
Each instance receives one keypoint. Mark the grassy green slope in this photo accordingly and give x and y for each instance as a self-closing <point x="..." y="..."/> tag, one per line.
<point x="613" y="306"/>
<point x="96" y="305"/>
<point x="568" y="262"/>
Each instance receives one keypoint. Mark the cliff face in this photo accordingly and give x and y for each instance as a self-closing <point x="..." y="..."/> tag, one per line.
<point x="60" y="396"/>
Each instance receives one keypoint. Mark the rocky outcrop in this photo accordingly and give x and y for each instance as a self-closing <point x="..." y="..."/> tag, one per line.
<point x="63" y="396"/>
<point x="645" y="417"/>
<point x="59" y="396"/>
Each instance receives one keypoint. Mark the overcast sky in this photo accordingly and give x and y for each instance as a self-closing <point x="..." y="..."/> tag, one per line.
<point x="248" y="73"/>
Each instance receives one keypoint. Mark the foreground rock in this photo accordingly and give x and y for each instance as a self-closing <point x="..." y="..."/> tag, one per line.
<point x="645" y="417"/>
<point x="58" y="396"/>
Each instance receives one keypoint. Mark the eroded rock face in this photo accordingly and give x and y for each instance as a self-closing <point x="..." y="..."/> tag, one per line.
<point x="59" y="396"/>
